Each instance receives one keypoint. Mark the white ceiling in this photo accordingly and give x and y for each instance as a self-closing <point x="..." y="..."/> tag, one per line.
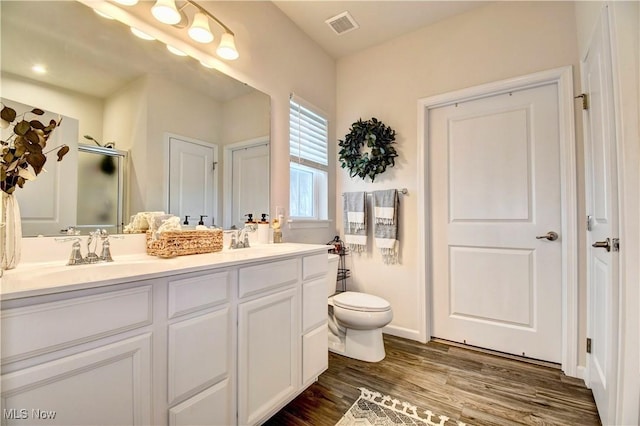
<point x="379" y="20"/>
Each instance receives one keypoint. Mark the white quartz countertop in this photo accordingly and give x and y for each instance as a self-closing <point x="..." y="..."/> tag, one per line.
<point x="38" y="278"/>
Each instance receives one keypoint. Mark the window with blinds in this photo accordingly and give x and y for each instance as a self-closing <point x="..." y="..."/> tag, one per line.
<point x="309" y="160"/>
<point x="308" y="137"/>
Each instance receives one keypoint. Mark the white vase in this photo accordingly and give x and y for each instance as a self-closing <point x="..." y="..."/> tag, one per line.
<point x="10" y="232"/>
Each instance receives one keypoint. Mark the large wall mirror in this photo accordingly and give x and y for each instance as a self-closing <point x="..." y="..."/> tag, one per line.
<point x="158" y="108"/>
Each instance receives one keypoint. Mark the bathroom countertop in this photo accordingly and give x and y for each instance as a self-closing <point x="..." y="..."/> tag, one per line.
<point x="40" y="278"/>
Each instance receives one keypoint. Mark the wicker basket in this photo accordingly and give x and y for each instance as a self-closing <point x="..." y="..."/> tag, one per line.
<point x="180" y="243"/>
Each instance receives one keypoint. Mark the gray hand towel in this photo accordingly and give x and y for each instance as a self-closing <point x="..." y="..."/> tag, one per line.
<point x="355" y="221"/>
<point x="386" y="224"/>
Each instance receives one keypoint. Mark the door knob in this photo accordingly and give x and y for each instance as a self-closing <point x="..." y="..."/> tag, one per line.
<point x="606" y="244"/>
<point x="551" y="236"/>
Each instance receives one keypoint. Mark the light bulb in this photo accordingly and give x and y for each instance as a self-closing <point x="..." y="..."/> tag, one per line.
<point x="40" y="69"/>
<point x="166" y="12"/>
<point x="104" y="15"/>
<point x="199" y="29"/>
<point x="227" y="47"/>
<point x="175" y="51"/>
<point x="127" y="2"/>
<point x="141" y="34"/>
<point x="207" y="64"/>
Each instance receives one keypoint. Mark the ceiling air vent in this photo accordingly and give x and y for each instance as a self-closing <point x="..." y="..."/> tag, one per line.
<point x="342" y="23"/>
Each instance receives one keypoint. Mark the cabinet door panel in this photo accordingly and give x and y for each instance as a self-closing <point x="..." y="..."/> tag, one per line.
<point x="315" y="354"/>
<point x="314" y="303"/>
<point x="198" y="352"/>
<point x="268" y="342"/>
<point x="108" y="385"/>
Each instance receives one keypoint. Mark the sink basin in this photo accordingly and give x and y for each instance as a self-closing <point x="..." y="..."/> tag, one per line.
<point x="32" y="275"/>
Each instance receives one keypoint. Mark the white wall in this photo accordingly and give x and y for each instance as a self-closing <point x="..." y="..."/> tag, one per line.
<point x="245" y="117"/>
<point x="86" y="109"/>
<point x="625" y="26"/>
<point x="495" y="42"/>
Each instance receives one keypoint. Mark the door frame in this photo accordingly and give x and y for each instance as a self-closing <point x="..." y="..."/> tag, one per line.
<point x="228" y="172"/>
<point x="167" y="164"/>
<point x="563" y="78"/>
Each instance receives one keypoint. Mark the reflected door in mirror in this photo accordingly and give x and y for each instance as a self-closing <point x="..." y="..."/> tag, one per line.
<point x="250" y="183"/>
<point x="191" y="179"/>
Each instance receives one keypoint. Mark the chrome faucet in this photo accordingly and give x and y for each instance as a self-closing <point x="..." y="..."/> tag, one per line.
<point x="76" y="257"/>
<point x="240" y="239"/>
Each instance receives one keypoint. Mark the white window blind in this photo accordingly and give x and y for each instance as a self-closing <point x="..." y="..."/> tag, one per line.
<point x="308" y="140"/>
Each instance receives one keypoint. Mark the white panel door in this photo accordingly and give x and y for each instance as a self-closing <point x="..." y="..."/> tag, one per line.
<point x="250" y="191"/>
<point x="602" y="211"/>
<point x="495" y="187"/>
<point x="48" y="204"/>
<point x="191" y="188"/>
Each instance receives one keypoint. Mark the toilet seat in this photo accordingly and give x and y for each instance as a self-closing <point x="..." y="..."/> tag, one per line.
<point x="363" y="302"/>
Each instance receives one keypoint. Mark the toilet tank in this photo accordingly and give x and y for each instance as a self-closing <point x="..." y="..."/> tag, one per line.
<point x="332" y="275"/>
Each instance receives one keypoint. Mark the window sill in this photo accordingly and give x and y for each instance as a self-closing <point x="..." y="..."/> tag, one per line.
<point x="308" y="224"/>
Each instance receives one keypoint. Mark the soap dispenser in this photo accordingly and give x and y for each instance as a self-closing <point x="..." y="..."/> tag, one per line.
<point x="263" y="229"/>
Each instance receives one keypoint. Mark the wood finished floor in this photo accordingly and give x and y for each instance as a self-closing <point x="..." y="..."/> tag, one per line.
<point x="466" y="385"/>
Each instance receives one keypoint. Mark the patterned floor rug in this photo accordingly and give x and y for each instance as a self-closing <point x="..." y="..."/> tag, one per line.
<point x="373" y="408"/>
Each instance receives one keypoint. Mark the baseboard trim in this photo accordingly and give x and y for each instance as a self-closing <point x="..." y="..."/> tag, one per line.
<point x="403" y="332"/>
<point x="581" y="373"/>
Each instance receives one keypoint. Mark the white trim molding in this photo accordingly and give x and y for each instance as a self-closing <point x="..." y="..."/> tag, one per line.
<point x="563" y="78"/>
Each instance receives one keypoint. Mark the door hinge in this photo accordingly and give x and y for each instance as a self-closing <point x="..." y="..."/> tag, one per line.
<point x="588" y="345"/>
<point x="589" y="218"/>
<point x="585" y="100"/>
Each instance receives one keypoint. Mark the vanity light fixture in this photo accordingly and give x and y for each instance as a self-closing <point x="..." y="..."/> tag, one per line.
<point x="141" y="34"/>
<point x="166" y="12"/>
<point x="227" y="48"/>
<point x="199" y="29"/>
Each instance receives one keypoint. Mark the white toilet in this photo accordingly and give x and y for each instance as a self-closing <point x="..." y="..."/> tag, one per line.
<point x="356" y="320"/>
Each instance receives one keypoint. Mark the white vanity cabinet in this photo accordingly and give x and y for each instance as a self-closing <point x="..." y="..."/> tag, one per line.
<point x="222" y="344"/>
<point x="84" y="359"/>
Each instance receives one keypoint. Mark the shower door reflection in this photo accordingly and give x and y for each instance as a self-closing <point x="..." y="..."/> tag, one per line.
<point x="101" y="177"/>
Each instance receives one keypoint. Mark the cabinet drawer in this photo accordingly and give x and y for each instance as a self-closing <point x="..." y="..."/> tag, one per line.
<point x="314" y="303"/>
<point x="194" y="293"/>
<point x="212" y="406"/>
<point x="46" y="327"/>
<point x="255" y="279"/>
<point x="315" y="265"/>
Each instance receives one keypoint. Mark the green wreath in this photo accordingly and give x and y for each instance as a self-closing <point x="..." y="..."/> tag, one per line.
<point x="378" y="138"/>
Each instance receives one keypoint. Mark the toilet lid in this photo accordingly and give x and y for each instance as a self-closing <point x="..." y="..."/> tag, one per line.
<point x="360" y="302"/>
